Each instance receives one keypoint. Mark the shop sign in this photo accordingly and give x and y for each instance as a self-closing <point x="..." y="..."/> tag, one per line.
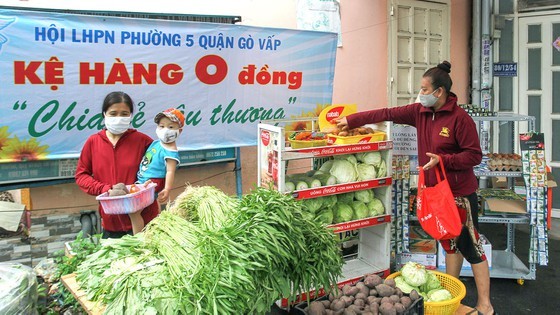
<point x="505" y="69"/>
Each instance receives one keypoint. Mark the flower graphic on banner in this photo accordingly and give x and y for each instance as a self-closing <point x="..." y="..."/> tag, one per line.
<point x="4" y="137"/>
<point x="556" y="43"/>
<point x="16" y="150"/>
<point x="306" y="124"/>
<point x="4" y="22"/>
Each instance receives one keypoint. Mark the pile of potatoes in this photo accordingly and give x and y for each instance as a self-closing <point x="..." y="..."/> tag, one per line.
<point x="372" y="296"/>
<point x="353" y="132"/>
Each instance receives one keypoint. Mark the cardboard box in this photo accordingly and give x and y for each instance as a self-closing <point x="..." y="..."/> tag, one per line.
<point x="494" y="205"/>
<point x="487" y="250"/>
<point x="428" y="260"/>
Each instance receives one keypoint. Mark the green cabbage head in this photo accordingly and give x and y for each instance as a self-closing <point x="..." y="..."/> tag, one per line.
<point x="414" y="274"/>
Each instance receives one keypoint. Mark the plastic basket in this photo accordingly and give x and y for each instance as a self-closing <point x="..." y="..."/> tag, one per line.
<point x="129" y="203"/>
<point x="451" y="284"/>
<point x="300" y="144"/>
<point x="372" y="137"/>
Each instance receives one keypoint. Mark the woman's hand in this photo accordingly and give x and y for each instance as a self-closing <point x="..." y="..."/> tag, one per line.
<point x="434" y="160"/>
<point x="341" y="123"/>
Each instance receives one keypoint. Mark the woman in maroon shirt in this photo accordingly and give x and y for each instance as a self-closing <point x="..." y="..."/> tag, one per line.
<point x="447" y="132"/>
<point x="112" y="156"/>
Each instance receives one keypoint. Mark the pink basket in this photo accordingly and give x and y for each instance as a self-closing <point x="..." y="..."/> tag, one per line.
<point x="129" y="203"/>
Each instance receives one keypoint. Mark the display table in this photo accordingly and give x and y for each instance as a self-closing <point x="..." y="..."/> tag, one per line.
<point x="70" y="283"/>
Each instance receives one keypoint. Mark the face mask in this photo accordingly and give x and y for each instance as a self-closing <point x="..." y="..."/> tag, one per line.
<point x="117" y="125"/>
<point x="427" y="100"/>
<point x="166" y="135"/>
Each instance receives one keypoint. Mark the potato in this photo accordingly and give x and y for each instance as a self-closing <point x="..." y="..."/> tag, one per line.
<point x="387" y="309"/>
<point x="116" y="192"/>
<point x="335" y="294"/>
<point x="371" y="300"/>
<point x="386" y="300"/>
<point x="414" y="295"/>
<point x="348" y="300"/>
<point x="374" y="308"/>
<point x="326" y="303"/>
<point x="338" y="304"/>
<point x="343" y="133"/>
<point x="316" y="308"/>
<point x="399" y="308"/>
<point x="329" y="312"/>
<point x="406" y="301"/>
<point x="360" y="302"/>
<point x="390" y="282"/>
<point x="395" y="298"/>
<point x="398" y="292"/>
<point x="372" y="280"/>
<point x="384" y="290"/>
<point x="372" y="292"/>
<point x="120" y="186"/>
<point x="363" y="289"/>
<point x="362" y="296"/>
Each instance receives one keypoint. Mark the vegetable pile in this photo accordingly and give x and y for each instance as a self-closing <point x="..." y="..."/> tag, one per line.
<point x="342" y="169"/>
<point x="353" y="132"/>
<point x="307" y="136"/>
<point x="415" y="277"/>
<point x="213" y="254"/>
<point x="344" y="207"/>
<point x="371" y="296"/>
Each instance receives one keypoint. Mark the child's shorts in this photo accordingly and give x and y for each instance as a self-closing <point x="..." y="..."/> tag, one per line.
<point x="468" y="242"/>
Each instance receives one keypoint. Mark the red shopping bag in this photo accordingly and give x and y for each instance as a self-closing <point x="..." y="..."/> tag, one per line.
<point x="436" y="208"/>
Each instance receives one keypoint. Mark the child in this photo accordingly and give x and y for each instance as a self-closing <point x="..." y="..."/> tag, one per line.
<point x="161" y="159"/>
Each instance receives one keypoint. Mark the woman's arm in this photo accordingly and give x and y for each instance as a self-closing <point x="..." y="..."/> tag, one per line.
<point x="400" y="115"/>
<point x="84" y="173"/>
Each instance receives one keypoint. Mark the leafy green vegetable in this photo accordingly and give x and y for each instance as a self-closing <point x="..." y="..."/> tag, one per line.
<point x="375" y="207"/>
<point x="432" y="283"/>
<point x="404" y="286"/>
<point x="382" y="170"/>
<point x="439" y="295"/>
<point x="414" y="274"/>
<point x="326" y="179"/>
<point x="364" y="195"/>
<point x="371" y="158"/>
<point x="326" y="167"/>
<point x="312" y="205"/>
<point x="329" y="200"/>
<point x="347" y="198"/>
<point x="360" y="210"/>
<point x="365" y="172"/>
<point x="343" y="213"/>
<point x="348" y="157"/>
<point x="325" y="216"/>
<point x="344" y="171"/>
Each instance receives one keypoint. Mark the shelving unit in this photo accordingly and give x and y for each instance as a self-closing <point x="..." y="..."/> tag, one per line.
<point x="274" y="153"/>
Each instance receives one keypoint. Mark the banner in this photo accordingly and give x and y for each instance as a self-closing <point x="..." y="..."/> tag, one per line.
<point x="55" y="70"/>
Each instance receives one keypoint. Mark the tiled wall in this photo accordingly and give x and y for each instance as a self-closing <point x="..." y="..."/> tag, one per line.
<point x="47" y="236"/>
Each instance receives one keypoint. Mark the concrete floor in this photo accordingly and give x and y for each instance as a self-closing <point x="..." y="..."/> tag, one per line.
<point x="539" y="296"/>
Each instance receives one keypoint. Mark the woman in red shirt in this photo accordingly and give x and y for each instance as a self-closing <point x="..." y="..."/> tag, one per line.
<point x="445" y="131"/>
<point x="112" y="156"/>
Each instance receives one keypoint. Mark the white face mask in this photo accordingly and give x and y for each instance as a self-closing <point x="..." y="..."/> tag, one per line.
<point x="166" y="135"/>
<point x="427" y="100"/>
<point x="117" y="125"/>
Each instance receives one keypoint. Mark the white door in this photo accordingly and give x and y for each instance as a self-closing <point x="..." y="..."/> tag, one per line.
<point x="539" y="85"/>
<point x="419" y="40"/>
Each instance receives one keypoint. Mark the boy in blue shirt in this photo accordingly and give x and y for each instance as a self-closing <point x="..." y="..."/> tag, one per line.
<point x="161" y="159"/>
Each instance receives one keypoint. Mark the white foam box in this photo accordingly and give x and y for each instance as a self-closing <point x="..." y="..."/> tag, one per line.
<point x="428" y="260"/>
<point x="485" y="245"/>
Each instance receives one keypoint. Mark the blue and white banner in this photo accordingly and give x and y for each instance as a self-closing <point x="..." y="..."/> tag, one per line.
<point x="55" y="70"/>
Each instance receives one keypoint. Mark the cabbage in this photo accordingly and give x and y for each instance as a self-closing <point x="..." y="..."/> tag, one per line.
<point x="414" y="274"/>
<point x="372" y="158"/>
<point x="360" y="210"/>
<point x="342" y="213"/>
<point x="382" y="170"/>
<point x="375" y="207"/>
<point x="312" y="205"/>
<point x="365" y="172"/>
<point x="325" y="216"/>
<point x="346" y="197"/>
<point x="364" y="195"/>
<point x="404" y="286"/>
<point x="344" y="171"/>
<point x="439" y="295"/>
<point x="431" y="284"/>
<point x="326" y="167"/>
<point x="348" y="157"/>
<point x="329" y="201"/>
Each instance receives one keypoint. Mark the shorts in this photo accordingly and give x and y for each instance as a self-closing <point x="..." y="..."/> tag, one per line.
<point x="468" y="242"/>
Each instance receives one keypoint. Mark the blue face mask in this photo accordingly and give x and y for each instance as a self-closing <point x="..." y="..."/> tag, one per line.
<point x="427" y="100"/>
